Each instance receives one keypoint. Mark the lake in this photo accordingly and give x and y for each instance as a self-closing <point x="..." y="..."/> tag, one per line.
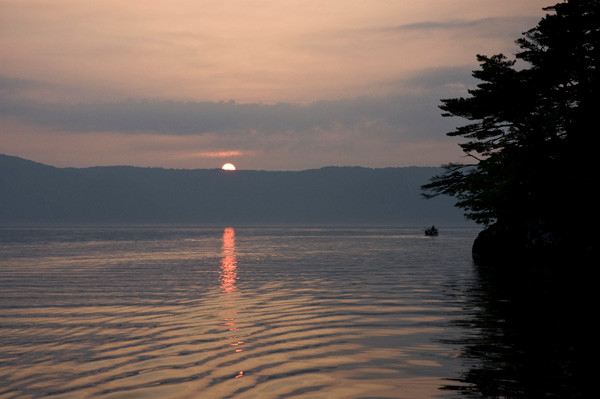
<point x="270" y="312"/>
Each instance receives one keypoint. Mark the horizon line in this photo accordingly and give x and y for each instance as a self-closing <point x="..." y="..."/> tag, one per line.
<point x="218" y="168"/>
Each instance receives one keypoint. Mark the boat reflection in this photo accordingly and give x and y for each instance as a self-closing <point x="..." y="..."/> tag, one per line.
<point x="228" y="273"/>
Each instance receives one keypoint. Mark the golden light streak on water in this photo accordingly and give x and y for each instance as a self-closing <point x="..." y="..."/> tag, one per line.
<point x="228" y="262"/>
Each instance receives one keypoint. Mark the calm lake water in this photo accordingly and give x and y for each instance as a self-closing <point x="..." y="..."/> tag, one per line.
<point x="268" y="312"/>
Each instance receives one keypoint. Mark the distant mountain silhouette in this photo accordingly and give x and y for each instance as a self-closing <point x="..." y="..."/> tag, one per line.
<point x="31" y="192"/>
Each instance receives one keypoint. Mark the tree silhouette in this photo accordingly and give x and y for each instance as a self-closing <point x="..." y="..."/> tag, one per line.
<point x="531" y="127"/>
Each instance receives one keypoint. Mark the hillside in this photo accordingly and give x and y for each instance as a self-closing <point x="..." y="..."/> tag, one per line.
<point x="31" y="192"/>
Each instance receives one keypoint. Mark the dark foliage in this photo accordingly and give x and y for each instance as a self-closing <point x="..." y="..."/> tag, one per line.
<point x="531" y="129"/>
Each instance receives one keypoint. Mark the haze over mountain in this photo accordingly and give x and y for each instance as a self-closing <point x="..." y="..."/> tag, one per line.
<point x="31" y="192"/>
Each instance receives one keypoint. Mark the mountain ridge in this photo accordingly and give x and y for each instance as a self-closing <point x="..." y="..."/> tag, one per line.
<point x="32" y="192"/>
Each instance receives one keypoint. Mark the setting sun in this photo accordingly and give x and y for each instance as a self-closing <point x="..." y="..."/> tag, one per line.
<point x="228" y="166"/>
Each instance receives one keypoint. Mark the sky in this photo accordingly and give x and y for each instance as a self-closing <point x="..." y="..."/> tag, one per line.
<point x="264" y="84"/>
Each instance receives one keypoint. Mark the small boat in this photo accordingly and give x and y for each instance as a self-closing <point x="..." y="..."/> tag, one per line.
<point x="432" y="231"/>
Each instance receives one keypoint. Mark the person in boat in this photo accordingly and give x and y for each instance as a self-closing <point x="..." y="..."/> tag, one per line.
<point x="432" y="231"/>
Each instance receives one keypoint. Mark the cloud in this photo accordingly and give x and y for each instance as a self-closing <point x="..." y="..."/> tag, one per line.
<point x="411" y="112"/>
<point x="272" y="51"/>
<point x="444" y="81"/>
<point x="482" y="26"/>
<point x="404" y="128"/>
<point x="212" y="154"/>
<point x="17" y="85"/>
<point x="280" y="151"/>
<point x="315" y="83"/>
<point x="198" y="118"/>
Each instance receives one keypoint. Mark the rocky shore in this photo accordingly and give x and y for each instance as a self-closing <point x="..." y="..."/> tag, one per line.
<point x="533" y="240"/>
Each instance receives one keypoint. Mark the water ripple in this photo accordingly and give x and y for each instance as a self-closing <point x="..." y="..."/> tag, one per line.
<point x="220" y="316"/>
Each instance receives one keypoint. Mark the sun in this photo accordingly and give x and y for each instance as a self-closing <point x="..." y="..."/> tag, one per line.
<point x="228" y="166"/>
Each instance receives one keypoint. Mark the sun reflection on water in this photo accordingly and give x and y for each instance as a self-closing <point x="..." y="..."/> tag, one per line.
<point x="227" y="283"/>
<point x="228" y="275"/>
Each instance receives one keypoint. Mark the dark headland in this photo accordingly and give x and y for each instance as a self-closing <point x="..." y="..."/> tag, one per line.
<point x="530" y="139"/>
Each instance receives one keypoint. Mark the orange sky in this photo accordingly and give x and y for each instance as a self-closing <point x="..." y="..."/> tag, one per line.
<point x="71" y="71"/>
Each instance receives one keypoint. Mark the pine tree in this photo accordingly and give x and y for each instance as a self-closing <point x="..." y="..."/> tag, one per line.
<point x="531" y="129"/>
